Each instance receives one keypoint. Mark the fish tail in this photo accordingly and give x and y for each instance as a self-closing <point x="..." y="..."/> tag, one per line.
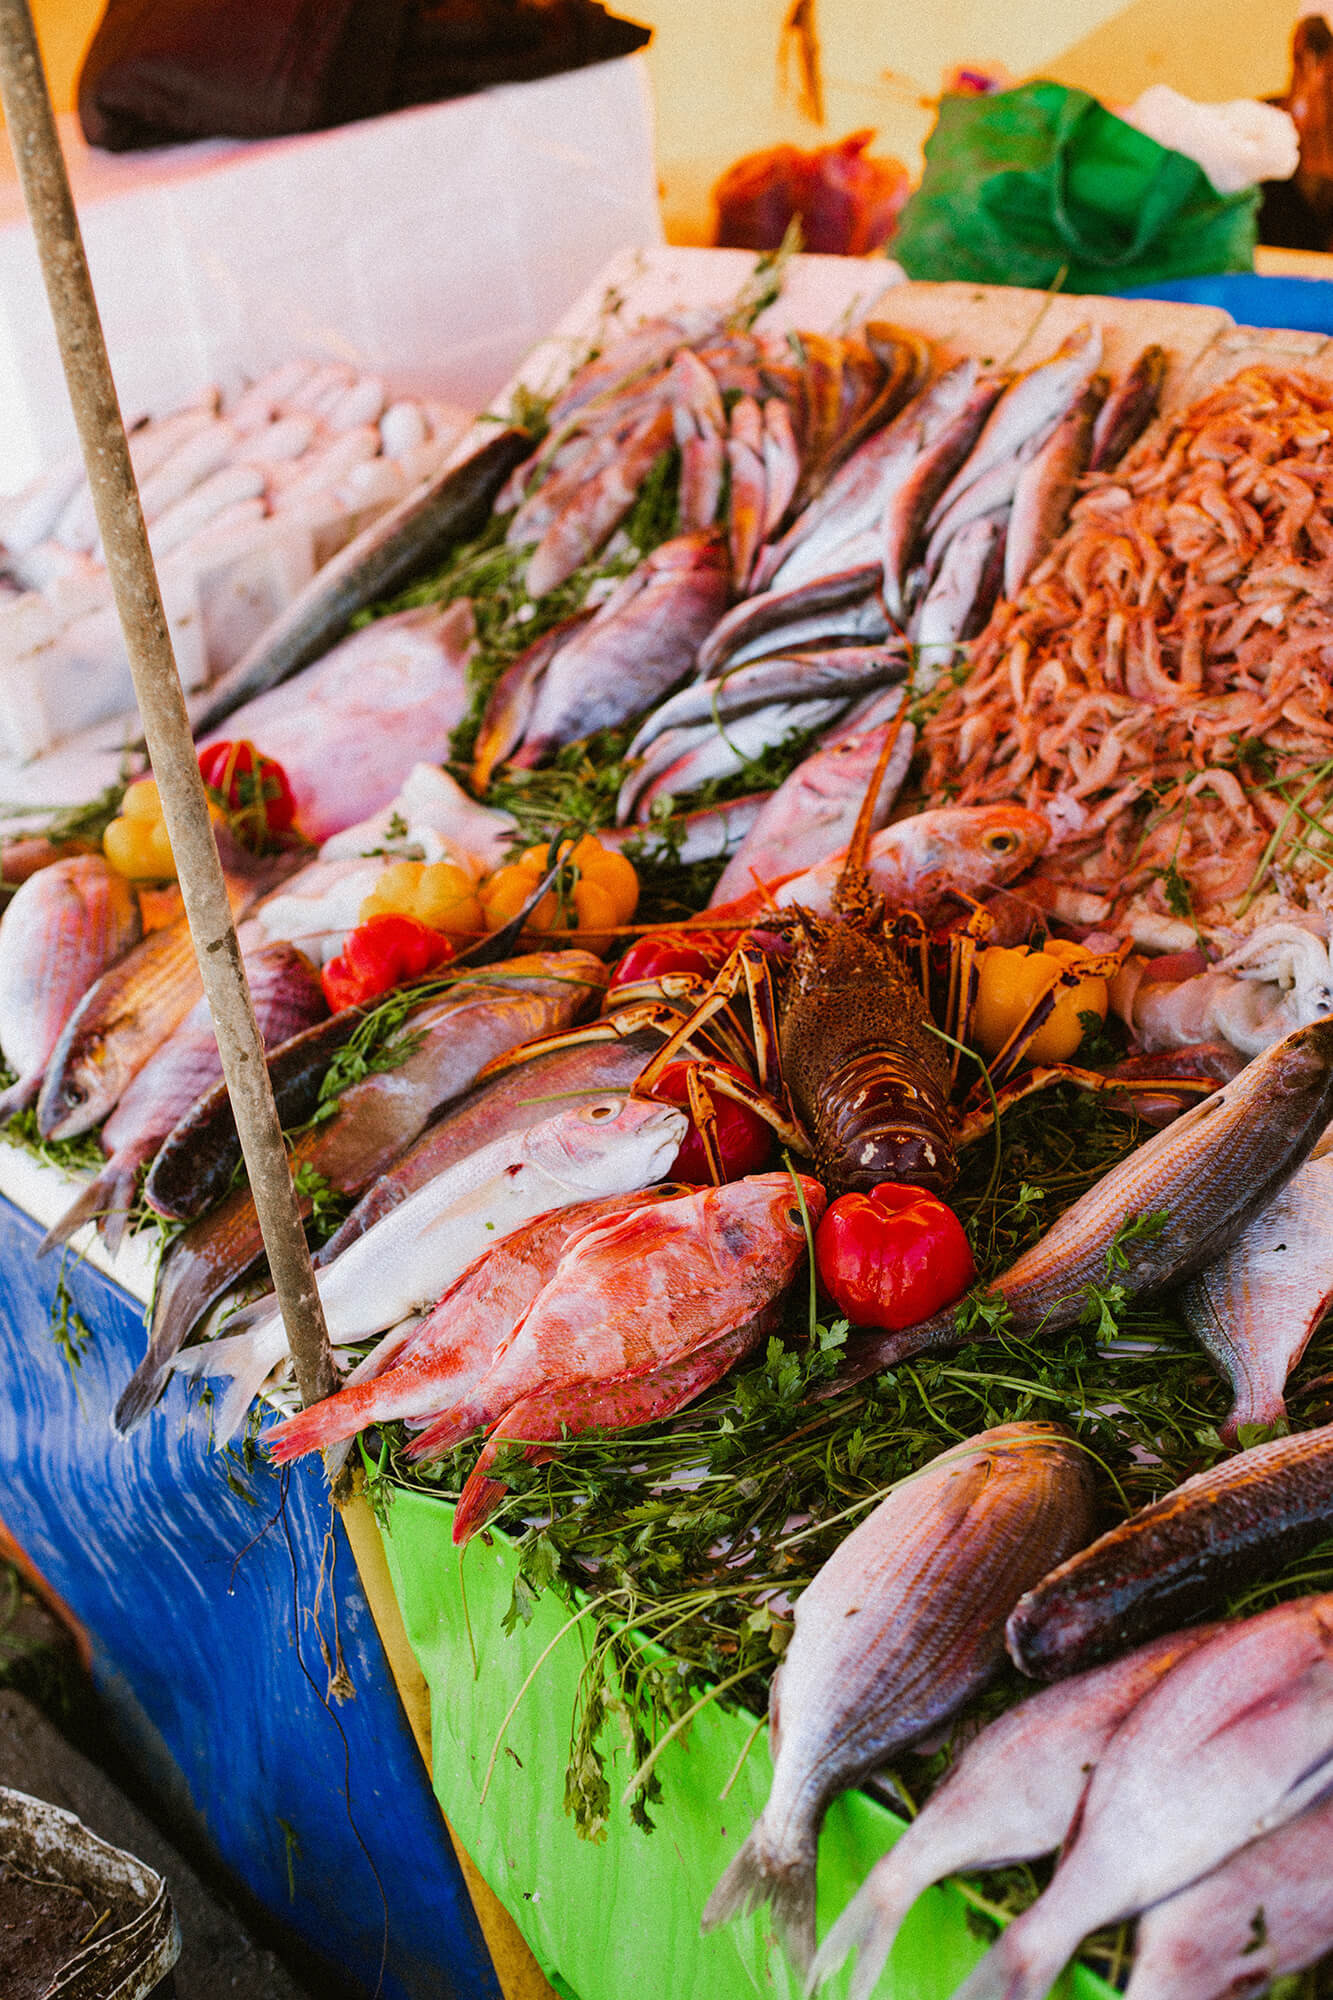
<point x="766" y="1872"/>
<point x="1255" y="1404"/>
<point x="95" y="1202"/>
<point x="476" y="1503"/>
<point x="446" y="1431"/>
<point x="249" y="1359"/>
<point x="868" y="1926"/>
<point x="328" y="1423"/>
<point x="140" y="1393"/>
<point x="1019" y="1966"/>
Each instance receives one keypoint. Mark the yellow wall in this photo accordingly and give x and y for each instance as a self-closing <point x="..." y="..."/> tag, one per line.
<point x="719" y="92"/>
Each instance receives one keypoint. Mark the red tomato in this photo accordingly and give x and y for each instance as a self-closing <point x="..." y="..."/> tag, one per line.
<point x="892" y="1257"/>
<point x="382" y="953"/>
<point x="252" y="790"/>
<point x="744" y="1141"/>
<point x="673" y="951"/>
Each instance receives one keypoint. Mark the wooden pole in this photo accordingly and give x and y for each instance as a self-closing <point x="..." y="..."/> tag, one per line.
<point x="129" y="562"/>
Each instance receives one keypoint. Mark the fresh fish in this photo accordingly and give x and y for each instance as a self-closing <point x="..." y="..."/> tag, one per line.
<point x="918" y="863"/>
<point x="903" y="1622"/>
<point x="910" y="508"/>
<point x="778" y="612"/>
<point x="1046" y="488"/>
<point x="1266" y="1912"/>
<point x="350" y="728"/>
<point x="1010" y="1797"/>
<point x="286" y="993"/>
<point x="639" y="644"/>
<point x="710" y="833"/>
<point x="1235" y="1741"/>
<point x="446" y="1355"/>
<point x="1207" y="1176"/>
<point x="782" y="463"/>
<point x="994" y="494"/>
<point x="747" y="489"/>
<point x="611" y="1146"/>
<point x="116" y="1026"/>
<point x="643" y="351"/>
<point x="1030" y="408"/>
<point x="861" y="621"/>
<point x="959" y="600"/>
<point x="842" y="670"/>
<point x="564" y="1074"/>
<point x="1179" y="1556"/>
<point x="452" y="504"/>
<point x="1255" y="1309"/>
<point x="475" y="1020"/>
<point x="432" y="814"/>
<point x="683" y="759"/>
<point x="813" y="813"/>
<point x="599" y="506"/>
<point x="858" y="496"/>
<point x="639" y="1291"/>
<point x="62" y="930"/>
<point x="1128" y="410"/>
<point x="511" y="701"/>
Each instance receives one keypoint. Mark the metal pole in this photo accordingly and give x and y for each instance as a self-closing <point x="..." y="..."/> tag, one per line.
<point x="129" y="562"/>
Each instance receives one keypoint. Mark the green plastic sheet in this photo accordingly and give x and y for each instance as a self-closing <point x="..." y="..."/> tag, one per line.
<point x="621" y="1918"/>
<point x="1043" y="186"/>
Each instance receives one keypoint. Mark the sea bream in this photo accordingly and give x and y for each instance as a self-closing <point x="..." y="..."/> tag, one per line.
<point x="1179" y="1556"/>
<point x="64" y="926"/>
<point x="450" y="1037"/>
<point x="1011" y="1796"/>
<point x="1198" y="1183"/>
<point x="403" y="1264"/>
<point x="900" y="1626"/>
<point x="285" y="991"/>
<point x="1235" y="1741"/>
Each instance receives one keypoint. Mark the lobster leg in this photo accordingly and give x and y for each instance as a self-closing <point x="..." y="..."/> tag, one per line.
<point x="978" y="1118"/>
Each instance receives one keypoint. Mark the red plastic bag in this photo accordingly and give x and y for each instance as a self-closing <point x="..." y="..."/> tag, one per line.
<point x="847" y="201"/>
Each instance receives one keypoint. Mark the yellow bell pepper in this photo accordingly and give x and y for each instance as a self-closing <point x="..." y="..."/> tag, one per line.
<point x="136" y="843"/>
<point x="1010" y="981"/>
<point x="436" y="893"/>
<point x="590" y="863"/>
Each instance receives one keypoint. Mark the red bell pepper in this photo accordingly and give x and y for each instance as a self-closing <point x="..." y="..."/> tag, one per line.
<point x="382" y="953"/>
<point x="252" y="790"/>
<point x="892" y="1257"/>
<point x="744" y="1141"/>
<point x="673" y="951"/>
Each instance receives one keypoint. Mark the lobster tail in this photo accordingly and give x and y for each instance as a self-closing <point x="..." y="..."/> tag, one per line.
<point x="883" y="1116"/>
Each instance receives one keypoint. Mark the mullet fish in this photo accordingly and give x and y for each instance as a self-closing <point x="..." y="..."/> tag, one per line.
<point x="903" y="1622"/>
<point x="1180" y="1555"/>
<point x="1204" y="1178"/>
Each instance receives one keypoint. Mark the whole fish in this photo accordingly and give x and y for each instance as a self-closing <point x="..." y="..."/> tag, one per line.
<point x="1235" y="1741"/>
<point x="444" y="1357"/>
<point x="451" y="505"/>
<point x="958" y="601"/>
<point x="903" y="1622"/>
<point x="916" y="863"/>
<point x="611" y="1146"/>
<point x="63" y="928"/>
<point x="350" y="728"/>
<point x="1204" y="1177"/>
<point x="767" y="621"/>
<point x="567" y="1073"/>
<point x="910" y="508"/>
<point x="599" y="506"/>
<point x="1255" y="1309"/>
<point x="117" y="1025"/>
<point x="639" y="1291"/>
<point x="634" y="650"/>
<point x="841" y="670"/>
<point x="476" y="1019"/>
<point x="813" y="812"/>
<point x="1030" y="408"/>
<point x="1047" y="485"/>
<point x="510" y="703"/>
<point x="285" y="990"/>
<point x="1264" y="1913"/>
<point x="1010" y="1797"/>
<point x="859" y="495"/>
<point x="1129" y="409"/>
<point x="1179" y="1556"/>
<point x="683" y="759"/>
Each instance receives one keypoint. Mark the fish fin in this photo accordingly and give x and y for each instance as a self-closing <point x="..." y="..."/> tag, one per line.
<point x="447" y="1430"/>
<point x="101" y="1201"/>
<point x="1017" y="1967"/>
<point x="868" y="1926"/>
<point x="19" y="1096"/>
<point x="248" y="1377"/>
<point x="761" y="1873"/>
<point x="530" y="1427"/>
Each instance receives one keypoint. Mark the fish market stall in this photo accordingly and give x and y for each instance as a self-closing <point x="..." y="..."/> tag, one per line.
<point x="849" y="1304"/>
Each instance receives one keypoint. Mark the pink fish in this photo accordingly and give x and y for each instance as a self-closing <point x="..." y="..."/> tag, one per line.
<point x="645" y="1290"/>
<point x="349" y="729"/>
<point x="446" y="1355"/>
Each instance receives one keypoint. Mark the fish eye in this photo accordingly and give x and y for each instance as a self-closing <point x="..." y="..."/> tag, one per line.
<point x="601" y="1110"/>
<point x="794" y="1216"/>
<point x="1005" y="841"/>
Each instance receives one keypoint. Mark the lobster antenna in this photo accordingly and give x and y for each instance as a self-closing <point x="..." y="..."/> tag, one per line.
<point x="859" y="844"/>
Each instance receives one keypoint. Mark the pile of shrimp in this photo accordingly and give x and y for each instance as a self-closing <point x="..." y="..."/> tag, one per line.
<point x="1163" y="685"/>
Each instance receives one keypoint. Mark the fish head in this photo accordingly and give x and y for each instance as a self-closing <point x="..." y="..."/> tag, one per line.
<point x="781" y="1201"/>
<point x="610" y="1146"/>
<point x="78" y="1095"/>
<point x="968" y="848"/>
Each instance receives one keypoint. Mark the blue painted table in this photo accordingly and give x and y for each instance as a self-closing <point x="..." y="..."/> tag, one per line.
<point x="225" y="1625"/>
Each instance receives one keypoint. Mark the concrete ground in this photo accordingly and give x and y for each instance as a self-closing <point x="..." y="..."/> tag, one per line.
<point x="219" y="1958"/>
